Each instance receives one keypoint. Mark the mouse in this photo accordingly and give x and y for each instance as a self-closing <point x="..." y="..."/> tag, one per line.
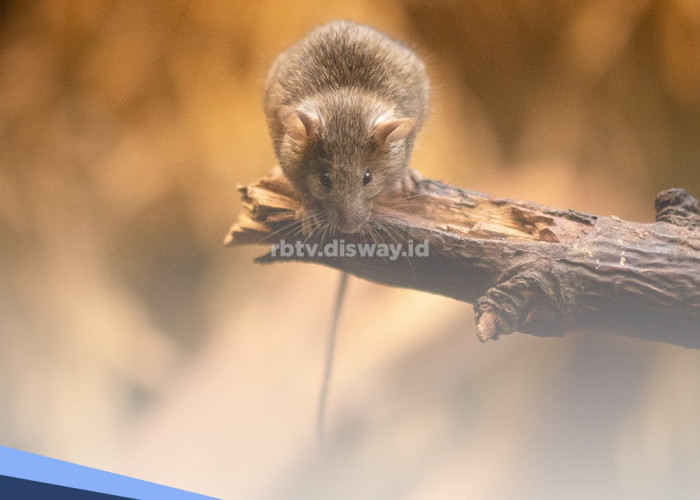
<point x="343" y="107"/>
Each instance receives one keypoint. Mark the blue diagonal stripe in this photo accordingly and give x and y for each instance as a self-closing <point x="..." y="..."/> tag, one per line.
<point x="24" y="465"/>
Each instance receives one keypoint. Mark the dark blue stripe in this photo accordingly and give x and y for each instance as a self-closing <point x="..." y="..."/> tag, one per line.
<point x="14" y="488"/>
<point x="36" y="468"/>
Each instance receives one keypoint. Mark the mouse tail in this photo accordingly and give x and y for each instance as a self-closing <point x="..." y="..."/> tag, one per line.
<point x="330" y="350"/>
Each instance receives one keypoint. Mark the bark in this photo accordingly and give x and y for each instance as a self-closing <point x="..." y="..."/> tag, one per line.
<point x="525" y="267"/>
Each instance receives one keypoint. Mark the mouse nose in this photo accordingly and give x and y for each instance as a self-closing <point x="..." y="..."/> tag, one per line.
<point x="350" y="223"/>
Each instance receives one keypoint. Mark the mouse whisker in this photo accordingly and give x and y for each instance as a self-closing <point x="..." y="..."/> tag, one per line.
<point x="364" y="232"/>
<point x="396" y="238"/>
<point x="410" y="264"/>
<point x="318" y="223"/>
<point x="379" y="233"/>
<point x="316" y="227"/>
<point x="373" y="234"/>
<point x="325" y="228"/>
<point x="414" y="195"/>
<point x="368" y="230"/>
<point x="327" y="231"/>
<point x="391" y="233"/>
<point x="291" y="229"/>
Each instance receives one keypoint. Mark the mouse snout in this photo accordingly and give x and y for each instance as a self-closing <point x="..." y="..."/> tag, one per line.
<point x="350" y="221"/>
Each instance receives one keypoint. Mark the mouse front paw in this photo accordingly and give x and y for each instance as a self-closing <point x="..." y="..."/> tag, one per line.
<point x="307" y="219"/>
<point x="409" y="182"/>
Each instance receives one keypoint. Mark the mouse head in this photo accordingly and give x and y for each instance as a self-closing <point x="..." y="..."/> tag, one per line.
<point x="343" y="151"/>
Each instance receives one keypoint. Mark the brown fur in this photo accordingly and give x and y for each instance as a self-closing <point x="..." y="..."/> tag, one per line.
<point x="343" y="101"/>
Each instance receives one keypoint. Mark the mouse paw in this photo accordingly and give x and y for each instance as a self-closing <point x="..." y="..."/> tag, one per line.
<point x="307" y="218"/>
<point x="409" y="182"/>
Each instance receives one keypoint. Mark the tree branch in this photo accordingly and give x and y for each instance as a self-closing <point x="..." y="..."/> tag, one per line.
<point x="525" y="267"/>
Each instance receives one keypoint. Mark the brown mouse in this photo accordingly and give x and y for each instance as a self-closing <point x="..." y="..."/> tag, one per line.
<point x="343" y="107"/>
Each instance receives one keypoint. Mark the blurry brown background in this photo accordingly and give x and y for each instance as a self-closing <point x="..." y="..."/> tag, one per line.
<point x="133" y="341"/>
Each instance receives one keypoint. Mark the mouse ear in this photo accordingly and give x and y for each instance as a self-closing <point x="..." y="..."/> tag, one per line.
<point x="393" y="130"/>
<point x="298" y="124"/>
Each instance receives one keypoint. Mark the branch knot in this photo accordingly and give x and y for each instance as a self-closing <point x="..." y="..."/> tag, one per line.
<point x="676" y="206"/>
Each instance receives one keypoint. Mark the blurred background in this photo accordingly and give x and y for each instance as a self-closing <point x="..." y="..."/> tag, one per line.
<point x="133" y="341"/>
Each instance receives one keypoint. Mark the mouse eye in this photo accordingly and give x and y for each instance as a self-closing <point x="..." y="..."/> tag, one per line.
<point x="326" y="180"/>
<point x="367" y="178"/>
